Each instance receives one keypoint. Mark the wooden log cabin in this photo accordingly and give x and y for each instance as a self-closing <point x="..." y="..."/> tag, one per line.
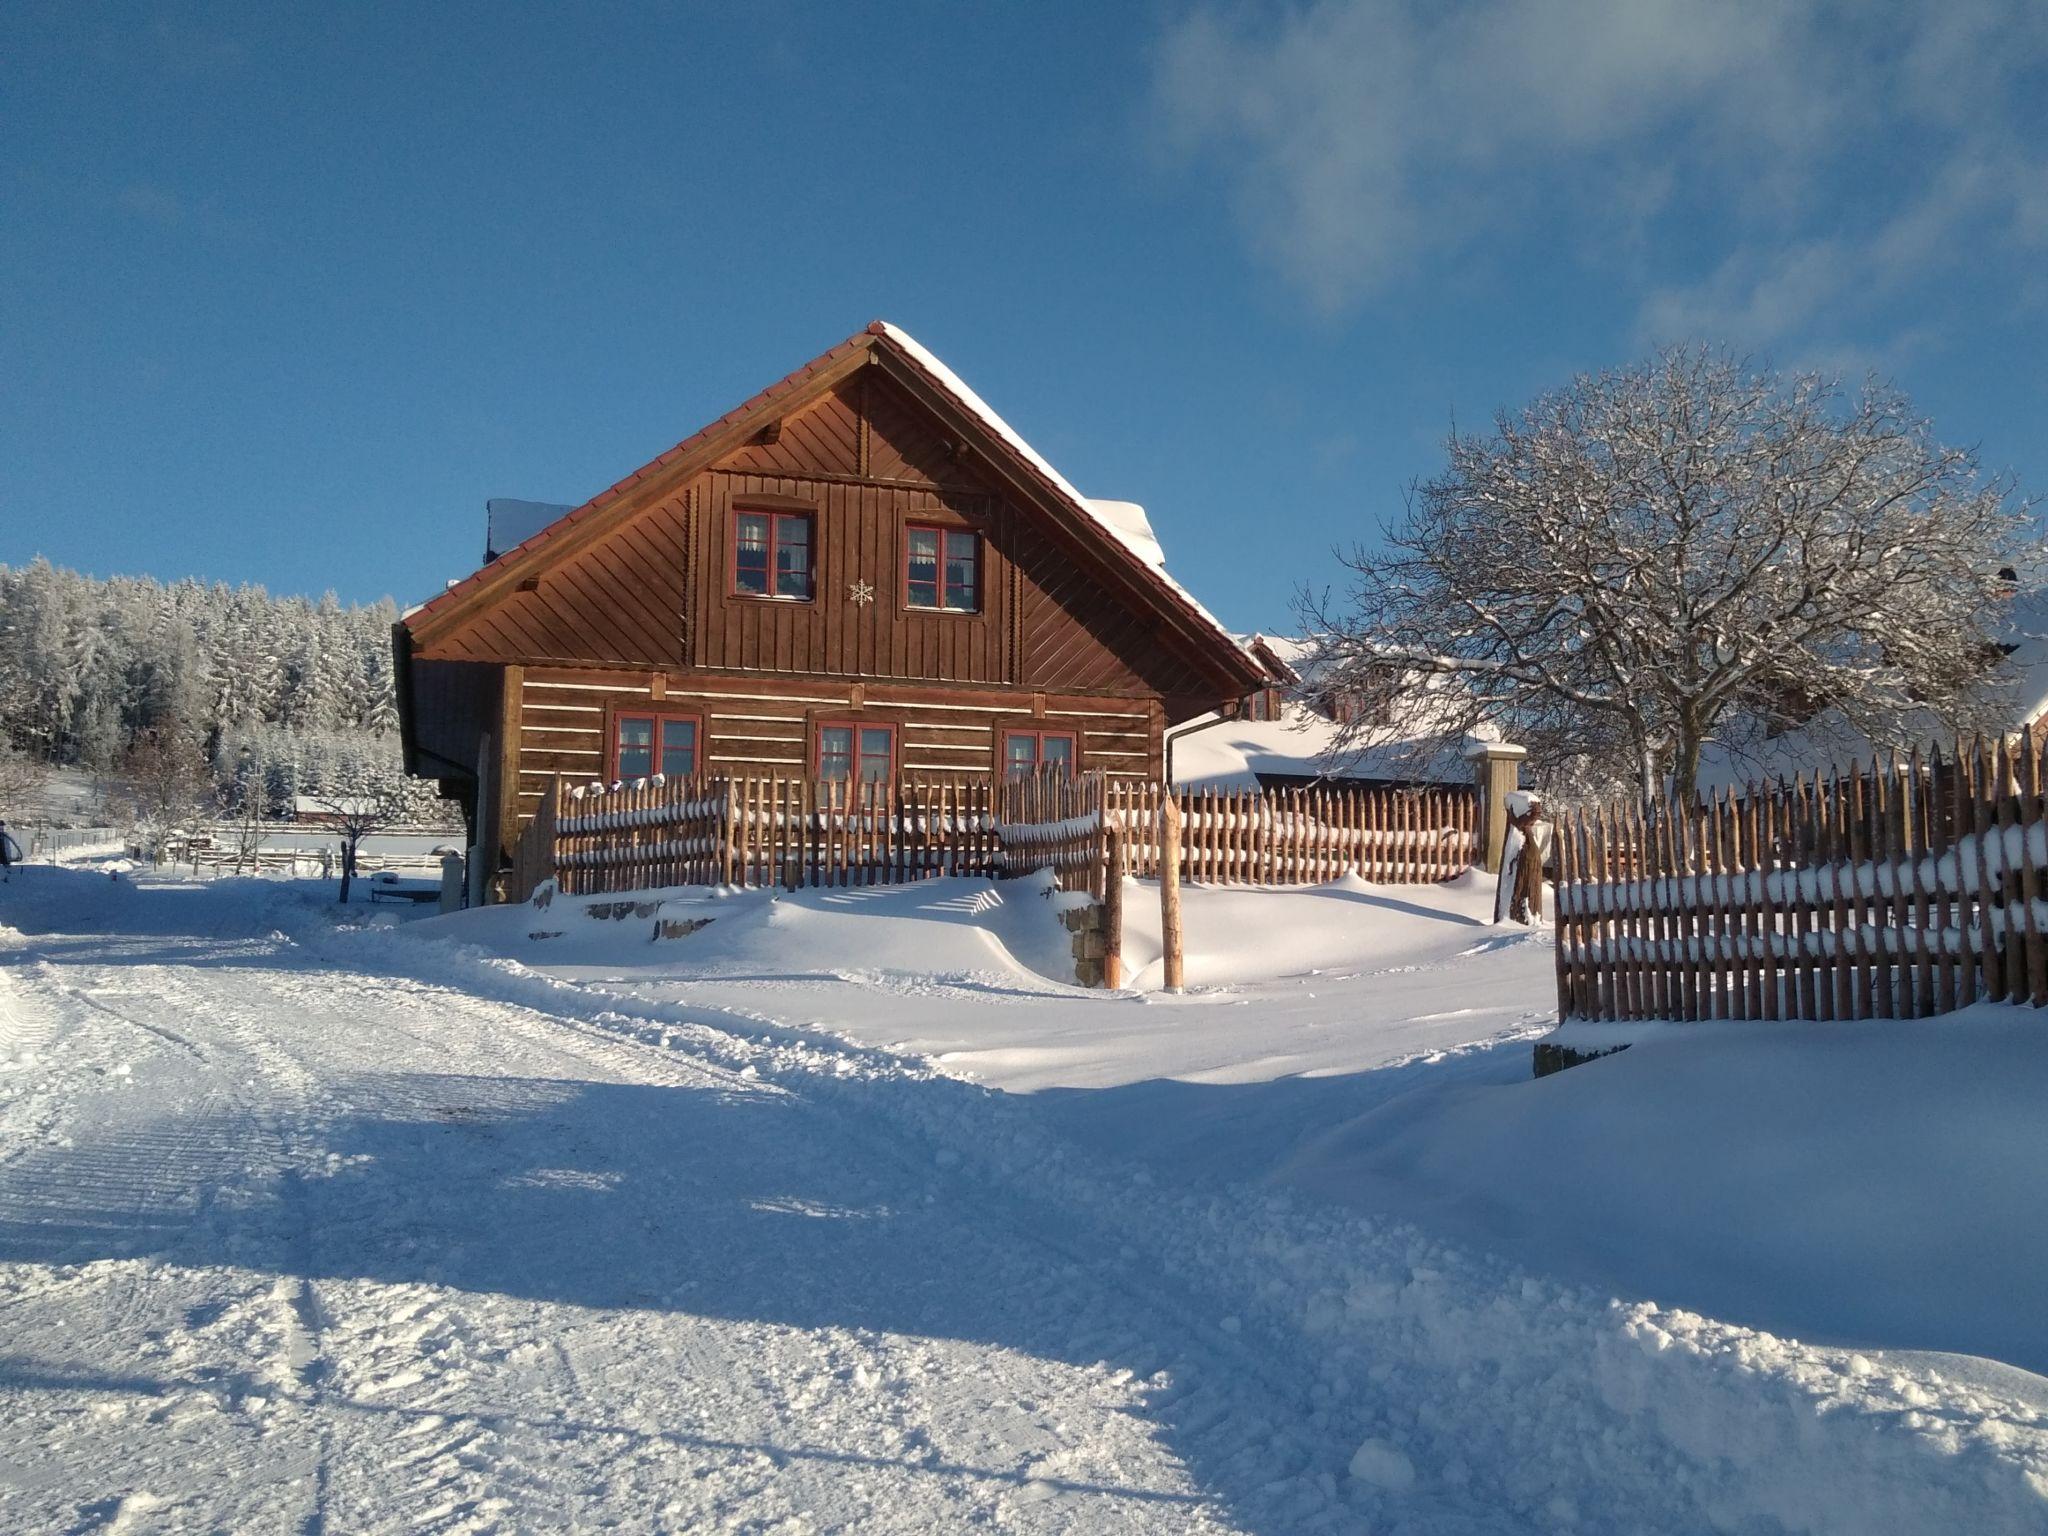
<point x="860" y="572"/>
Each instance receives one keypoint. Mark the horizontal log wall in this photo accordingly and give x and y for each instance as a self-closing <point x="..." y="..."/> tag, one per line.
<point x="1894" y="890"/>
<point x="756" y="728"/>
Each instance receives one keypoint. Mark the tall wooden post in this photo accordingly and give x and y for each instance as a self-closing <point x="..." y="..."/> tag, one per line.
<point x="1113" y="907"/>
<point x="1497" y="773"/>
<point x="1169" y="888"/>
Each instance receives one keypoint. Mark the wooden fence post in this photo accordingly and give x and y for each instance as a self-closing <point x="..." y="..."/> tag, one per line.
<point x="1169" y="889"/>
<point x="1113" y="908"/>
<point x="1497" y="772"/>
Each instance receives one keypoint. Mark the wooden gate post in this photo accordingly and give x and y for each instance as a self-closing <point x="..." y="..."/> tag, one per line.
<point x="1497" y="772"/>
<point x="1113" y="907"/>
<point x="1169" y="888"/>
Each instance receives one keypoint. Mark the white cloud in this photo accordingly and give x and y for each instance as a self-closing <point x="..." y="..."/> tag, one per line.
<point x="1802" y="144"/>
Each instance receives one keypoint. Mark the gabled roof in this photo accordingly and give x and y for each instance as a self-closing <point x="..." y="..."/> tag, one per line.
<point x="1278" y="656"/>
<point x="1124" y="541"/>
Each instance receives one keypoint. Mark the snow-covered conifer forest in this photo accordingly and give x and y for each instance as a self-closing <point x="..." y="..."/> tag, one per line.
<point x="280" y="696"/>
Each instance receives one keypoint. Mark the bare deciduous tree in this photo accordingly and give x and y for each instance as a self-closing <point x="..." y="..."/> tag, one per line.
<point x="356" y="817"/>
<point x="1625" y="566"/>
<point x="21" y="779"/>
<point x="163" y="779"/>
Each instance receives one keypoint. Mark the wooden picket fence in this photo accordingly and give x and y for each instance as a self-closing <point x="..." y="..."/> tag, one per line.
<point x="762" y="832"/>
<point x="1895" y="890"/>
<point x="1302" y="836"/>
<point x="753" y="832"/>
<point x="1306" y="836"/>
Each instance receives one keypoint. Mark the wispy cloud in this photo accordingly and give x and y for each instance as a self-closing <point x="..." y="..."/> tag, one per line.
<point x="1750" y="163"/>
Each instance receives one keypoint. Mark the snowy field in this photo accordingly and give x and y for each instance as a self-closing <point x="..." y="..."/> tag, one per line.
<point x="840" y="1212"/>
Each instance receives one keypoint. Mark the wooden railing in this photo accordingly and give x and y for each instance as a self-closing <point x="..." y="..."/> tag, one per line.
<point x="799" y="832"/>
<point x="1893" y="890"/>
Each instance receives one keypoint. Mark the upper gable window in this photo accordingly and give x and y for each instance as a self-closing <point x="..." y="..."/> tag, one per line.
<point x="942" y="568"/>
<point x="771" y="554"/>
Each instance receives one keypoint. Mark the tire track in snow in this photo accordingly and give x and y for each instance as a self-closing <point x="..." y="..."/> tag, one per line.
<point x="1225" y="1393"/>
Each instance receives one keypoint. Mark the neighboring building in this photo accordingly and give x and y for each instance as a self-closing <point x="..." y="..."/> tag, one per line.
<point x="1748" y="751"/>
<point x="1290" y="733"/>
<point x="330" y="811"/>
<point x="861" y="572"/>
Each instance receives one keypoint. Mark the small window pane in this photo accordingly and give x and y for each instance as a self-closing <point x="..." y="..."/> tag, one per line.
<point x="793" y="557"/>
<point x="924" y="568"/>
<point x="1019" y="753"/>
<point x="636" y="747"/>
<point x="876" y="754"/>
<point x="678" y="748"/>
<point x="1057" y="750"/>
<point x="750" y="555"/>
<point x="835" y="752"/>
<point x="963" y="556"/>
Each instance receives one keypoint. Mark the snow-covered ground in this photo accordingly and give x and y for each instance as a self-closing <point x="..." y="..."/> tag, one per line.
<point x="841" y="1213"/>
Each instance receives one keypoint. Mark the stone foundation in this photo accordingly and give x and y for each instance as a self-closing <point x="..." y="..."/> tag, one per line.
<point x="1089" y="927"/>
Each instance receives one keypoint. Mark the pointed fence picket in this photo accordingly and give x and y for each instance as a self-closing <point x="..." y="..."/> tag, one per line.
<point x="1898" y="889"/>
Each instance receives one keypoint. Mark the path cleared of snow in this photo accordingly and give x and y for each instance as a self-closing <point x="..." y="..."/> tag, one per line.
<point x="319" y="1226"/>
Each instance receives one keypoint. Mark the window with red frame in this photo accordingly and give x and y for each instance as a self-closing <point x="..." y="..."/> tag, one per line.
<point x="647" y="744"/>
<point x="849" y="751"/>
<point x="942" y="568"/>
<point x="1029" y="751"/>
<point x="771" y="554"/>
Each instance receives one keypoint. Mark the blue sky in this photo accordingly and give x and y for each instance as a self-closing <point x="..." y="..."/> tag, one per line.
<point x="286" y="291"/>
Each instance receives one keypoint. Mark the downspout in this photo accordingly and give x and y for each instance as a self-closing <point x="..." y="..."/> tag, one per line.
<point x="1230" y="717"/>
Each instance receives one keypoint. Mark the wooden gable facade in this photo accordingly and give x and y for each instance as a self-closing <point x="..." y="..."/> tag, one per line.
<point x="637" y="613"/>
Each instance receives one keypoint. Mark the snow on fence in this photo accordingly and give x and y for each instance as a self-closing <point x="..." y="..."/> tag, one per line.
<point x="1242" y="837"/>
<point x="51" y="842"/>
<point x="593" y="839"/>
<point x="1894" y="890"/>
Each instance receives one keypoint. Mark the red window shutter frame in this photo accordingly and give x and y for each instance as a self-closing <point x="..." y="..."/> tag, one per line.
<point x="940" y="533"/>
<point x="774" y="518"/>
<point x="616" y="722"/>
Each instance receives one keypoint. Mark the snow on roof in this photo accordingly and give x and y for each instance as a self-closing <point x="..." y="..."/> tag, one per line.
<point x="1133" y="527"/>
<point x="1301" y="657"/>
<point x="1134" y="534"/>
<point x="2027" y="634"/>
<point x="511" y="523"/>
<point x="1302" y="742"/>
<point x="333" y="805"/>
